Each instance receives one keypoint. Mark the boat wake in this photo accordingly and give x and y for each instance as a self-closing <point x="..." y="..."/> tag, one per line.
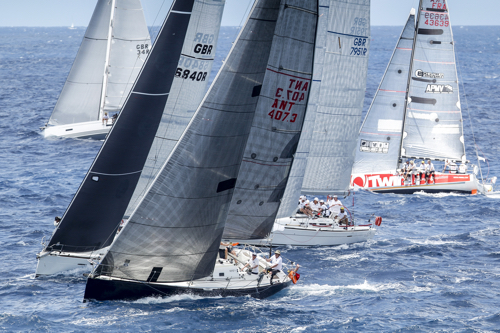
<point x="441" y="195"/>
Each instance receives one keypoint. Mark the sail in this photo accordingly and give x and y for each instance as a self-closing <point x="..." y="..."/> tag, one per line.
<point x="433" y="125"/>
<point x="276" y="125"/>
<point x="188" y="89"/>
<point x="80" y="97"/>
<point x="174" y="233"/>
<point x="325" y="151"/>
<point x="379" y="139"/>
<point x="91" y="220"/>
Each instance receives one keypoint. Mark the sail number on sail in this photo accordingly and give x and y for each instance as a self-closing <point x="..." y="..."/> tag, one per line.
<point x="192" y="68"/>
<point x="287" y="98"/>
<point x="142" y="49"/>
<point x="436" y="19"/>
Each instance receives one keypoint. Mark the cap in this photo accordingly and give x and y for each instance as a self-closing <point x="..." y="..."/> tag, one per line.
<point x="277" y="252"/>
<point x="315" y="199"/>
<point x="335" y="196"/>
<point x="307" y="202"/>
<point x="341" y="208"/>
<point x="254" y="254"/>
<point x="322" y="200"/>
<point x="423" y="162"/>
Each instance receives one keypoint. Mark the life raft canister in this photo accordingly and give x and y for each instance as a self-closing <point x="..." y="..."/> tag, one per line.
<point x="378" y="221"/>
<point x="294" y="276"/>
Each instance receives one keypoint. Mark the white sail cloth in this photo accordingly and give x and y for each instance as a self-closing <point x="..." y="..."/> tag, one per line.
<point x="80" y="97"/>
<point x="379" y="141"/>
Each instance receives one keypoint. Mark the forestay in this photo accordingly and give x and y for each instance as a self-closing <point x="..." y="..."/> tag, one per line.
<point x="91" y="220"/>
<point x="188" y="89"/>
<point x="379" y="139"/>
<point x="80" y="97"/>
<point x="174" y="233"/>
<point x="276" y="125"/>
<point x="433" y="125"/>
<point x="326" y="147"/>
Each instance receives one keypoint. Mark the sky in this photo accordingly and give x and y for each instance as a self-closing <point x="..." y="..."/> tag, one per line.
<point x="35" y="13"/>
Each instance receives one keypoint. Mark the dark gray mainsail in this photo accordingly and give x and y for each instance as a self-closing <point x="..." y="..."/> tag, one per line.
<point x="91" y="220"/>
<point x="379" y="139"/>
<point x="276" y="125"/>
<point x="188" y="89"/>
<point x="175" y="231"/>
<point x="325" y="153"/>
<point x="112" y="52"/>
<point x="433" y="127"/>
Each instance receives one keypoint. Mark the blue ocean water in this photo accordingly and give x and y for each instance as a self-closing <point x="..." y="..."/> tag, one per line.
<point x="434" y="264"/>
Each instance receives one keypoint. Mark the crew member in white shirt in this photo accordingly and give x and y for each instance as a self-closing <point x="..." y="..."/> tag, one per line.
<point x="342" y="217"/>
<point x="276" y="264"/>
<point x="412" y="170"/>
<point x="421" y="171"/>
<point x="253" y="264"/>
<point x="462" y="168"/>
<point x="316" y="207"/>
<point x="452" y="165"/>
<point x="335" y="205"/>
<point x="429" y="172"/>
<point x="324" y="208"/>
<point x="302" y="203"/>
<point x="307" y="209"/>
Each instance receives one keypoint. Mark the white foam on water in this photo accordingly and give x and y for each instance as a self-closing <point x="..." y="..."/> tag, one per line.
<point x="22" y="243"/>
<point x="328" y="290"/>
<point x="343" y="257"/>
<point x="462" y="279"/>
<point x="493" y="195"/>
<point x="441" y="195"/>
<point x="170" y="299"/>
<point x="434" y="242"/>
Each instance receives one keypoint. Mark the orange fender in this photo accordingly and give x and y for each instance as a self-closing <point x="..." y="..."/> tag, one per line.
<point x="378" y="221"/>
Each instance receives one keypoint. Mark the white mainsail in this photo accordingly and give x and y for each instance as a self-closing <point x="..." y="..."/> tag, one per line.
<point x="433" y="126"/>
<point x="116" y="61"/>
<point x="378" y="146"/>
<point x="325" y="153"/>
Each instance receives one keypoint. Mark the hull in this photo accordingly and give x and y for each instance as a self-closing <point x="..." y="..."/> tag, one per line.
<point x="227" y="280"/>
<point x="444" y="182"/>
<point x="300" y="231"/>
<point x="50" y="263"/>
<point x="88" y="130"/>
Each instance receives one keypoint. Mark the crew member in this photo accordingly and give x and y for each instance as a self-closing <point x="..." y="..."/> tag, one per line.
<point x="462" y="168"/>
<point x="451" y="165"/>
<point x="253" y="264"/>
<point x="335" y="205"/>
<point x="276" y="264"/>
<point x="342" y="217"/>
<point x="429" y="172"/>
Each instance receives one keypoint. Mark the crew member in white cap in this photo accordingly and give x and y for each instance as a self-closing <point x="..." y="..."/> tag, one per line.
<point x="316" y="207"/>
<point x="276" y="264"/>
<point x="324" y="208"/>
<point x="253" y="264"/>
<point x="302" y="203"/>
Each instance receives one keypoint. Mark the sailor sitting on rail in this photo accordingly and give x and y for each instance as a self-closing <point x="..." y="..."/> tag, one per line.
<point x="462" y="168"/>
<point x="421" y="171"/>
<point x="316" y="207"/>
<point x="429" y="172"/>
<point x="411" y="171"/>
<point x="341" y="217"/>
<point x="253" y="265"/>
<point x="307" y="209"/>
<point x="452" y="165"/>
<point x="335" y="205"/>
<point x="302" y="203"/>
<point x="276" y="265"/>
<point x="324" y="208"/>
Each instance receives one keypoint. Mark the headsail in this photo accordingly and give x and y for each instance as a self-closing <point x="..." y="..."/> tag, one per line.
<point x="174" y="233"/>
<point x="91" y="220"/>
<point x="379" y="139"/>
<point x="276" y="125"/>
<point x="326" y="147"/>
<point x="433" y="126"/>
<point x="80" y="97"/>
<point x="188" y="89"/>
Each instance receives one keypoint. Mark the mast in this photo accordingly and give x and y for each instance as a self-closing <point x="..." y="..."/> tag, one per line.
<point x="417" y="21"/>
<point x="106" y="62"/>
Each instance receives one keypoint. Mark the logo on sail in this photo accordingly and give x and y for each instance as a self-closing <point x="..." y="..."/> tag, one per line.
<point x="421" y="73"/>
<point x="439" y="89"/>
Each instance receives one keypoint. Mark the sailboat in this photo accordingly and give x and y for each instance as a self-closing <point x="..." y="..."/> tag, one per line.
<point x="100" y="208"/>
<point x="232" y="153"/>
<point x="112" y="52"/>
<point x="325" y="153"/>
<point x="72" y="27"/>
<point x="416" y="114"/>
